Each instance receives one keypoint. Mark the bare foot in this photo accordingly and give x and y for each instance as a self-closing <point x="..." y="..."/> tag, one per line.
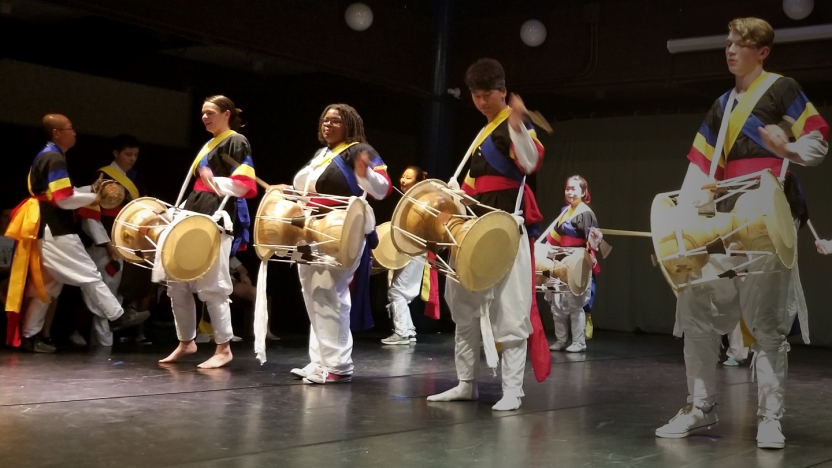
<point x="221" y="357"/>
<point x="185" y="348"/>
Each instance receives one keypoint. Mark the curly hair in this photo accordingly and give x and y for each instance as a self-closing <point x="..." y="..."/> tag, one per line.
<point x="353" y="125"/>
<point x="753" y="31"/>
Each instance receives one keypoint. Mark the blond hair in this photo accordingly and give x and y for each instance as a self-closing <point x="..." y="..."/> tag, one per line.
<point x="755" y="32"/>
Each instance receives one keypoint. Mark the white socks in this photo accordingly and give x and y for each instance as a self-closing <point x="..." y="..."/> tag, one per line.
<point x="507" y="403"/>
<point x="465" y="391"/>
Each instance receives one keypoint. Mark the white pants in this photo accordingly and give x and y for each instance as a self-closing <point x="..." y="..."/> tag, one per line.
<point x="66" y="262"/>
<point x="767" y="303"/>
<point x="508" y="304"/>
<point x="326" y="292"/>
<point x="101" y="333"/>
<point x="405" y="286"/>
<point x="213" y="289"/>
<point x="736" y="349"/>
<point x="568" y="307"/>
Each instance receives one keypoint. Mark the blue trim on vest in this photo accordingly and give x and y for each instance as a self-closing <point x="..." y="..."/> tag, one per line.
<point x="361" y="312"/>
<point x="349" y="175"/>
<point x="496" y="159"/>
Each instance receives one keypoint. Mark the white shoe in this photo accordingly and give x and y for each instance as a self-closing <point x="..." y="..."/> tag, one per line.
<point x="687" y="421"/>
<point x="76" y="339"/>
<point x="412" y="338"/>
<point x="576" y="348"/>
<point x="396" y="339"/>
<point x="770" y="434"/>
<point x="507" y="403"/>
<point x="303" y="373"/>
<point x="236" y="339"/>
<point x="731" y="363"/>
<point x="466" y="390"/>
<point x="558" y="346"/>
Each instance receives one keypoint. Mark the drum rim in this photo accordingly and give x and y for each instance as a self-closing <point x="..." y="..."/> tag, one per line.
<point x="119" y="226"/>
<point x="463" y="253"/>
<point x="356" y="216"/>
<point x="404" y="245"/>
<point x="183" y="217"/>
<point x="399" y="261"/>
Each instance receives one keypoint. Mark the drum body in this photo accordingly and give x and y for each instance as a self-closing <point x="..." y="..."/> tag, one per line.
<point x="331" y="235"/>
<point x="573" y="270"/>
<point x="760" y="223"/>
<point x="431" y="217"/>
<point x="112" y="194"/>
<point x="385" y="256"/>
<point x="147" y="231"/>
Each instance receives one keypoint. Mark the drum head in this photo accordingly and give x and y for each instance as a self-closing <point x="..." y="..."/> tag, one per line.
<point x="125" y="234"/>
<point x="487" y="250"/>
<point x="386" y="255"/>
<point x="190" y="248"/>
<point x="660" y="219"/>
<point x="579" y="271"/>
<point x="779" y="223"/>
<point x="418" y="221"/>
<point x="112" y="194"/>
<point x="352" y="234"/>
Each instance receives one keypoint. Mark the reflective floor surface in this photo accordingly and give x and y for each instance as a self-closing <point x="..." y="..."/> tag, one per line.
<point x="121" y="408"/>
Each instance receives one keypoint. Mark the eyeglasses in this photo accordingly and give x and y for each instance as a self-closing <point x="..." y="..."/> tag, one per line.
<point x="334" y="122"/>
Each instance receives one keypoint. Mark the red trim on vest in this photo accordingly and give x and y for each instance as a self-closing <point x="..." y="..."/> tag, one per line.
<point x="741" y="167"/>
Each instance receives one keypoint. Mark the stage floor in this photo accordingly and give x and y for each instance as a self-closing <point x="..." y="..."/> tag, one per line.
<point x="121" y="408"/>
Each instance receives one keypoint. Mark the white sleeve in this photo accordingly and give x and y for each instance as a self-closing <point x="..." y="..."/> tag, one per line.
<point x="81" y="197"/>
<point x="691" y="191"/>
<point x="524" y="149"/>
<point x="96" y="231"/>
<point x="300" y="178"/>
<point x="811" y="148"/>
<point x="374" y="184"/>
<point x="229" y="187"/>
<point x="543" y="234"/>
<point x="234" y="263"/>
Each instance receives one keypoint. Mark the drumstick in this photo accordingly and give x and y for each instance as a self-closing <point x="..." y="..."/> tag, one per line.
<point x="538" y="119"/>
<point x="234" y="165"/>
<point x="814" y="233"/>
<point x="619" y="232"/>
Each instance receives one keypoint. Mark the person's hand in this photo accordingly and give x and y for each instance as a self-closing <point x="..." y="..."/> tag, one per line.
<point x="207" y="176"/>
<point x="824" y="246"/>
<point x="518" y="111"/>
<point x="244" y="278"/>
<point x="775" y="139"/>
<point x="97" y="184"/>
<point x="595" y="236"/>
<point x="362" y="162"/>
<point x="112" y="251"/>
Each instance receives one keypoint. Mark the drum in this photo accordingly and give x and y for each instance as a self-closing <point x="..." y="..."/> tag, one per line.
<point x="385" y="256"/>
<point x="432" y="217"/>
<point x="147" y="231"/>
<point x="759" y="224"/>
<point x="112" y="194"/>
<point x="328" y="234"/>
<point x="572" y="272"/>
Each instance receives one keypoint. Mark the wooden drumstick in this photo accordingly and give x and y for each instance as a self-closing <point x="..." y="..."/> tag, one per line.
<point x="234" y="165"/>
<point x="540" y="121"/>
<point x="619" y="232"/>
<point x="814" y="233"/>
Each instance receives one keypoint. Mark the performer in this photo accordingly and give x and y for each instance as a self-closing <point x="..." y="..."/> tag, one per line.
<point x="504" y="152"/>
<point x="346" y="166"/>
<point x="97" y="223"/>
<point x="406" y="283"/>
<point x="576" y="226"/>
<point x="824" y="246"/>
<point x="47" y="242"/>
<point x="754" y="140"/>
<point x="217" y="179"/>
<point x="737" y="350"/>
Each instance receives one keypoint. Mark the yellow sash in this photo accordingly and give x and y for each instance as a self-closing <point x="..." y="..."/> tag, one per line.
<point x="746" y="104"/>
<point x="212" y="143"/>
<point x="570" y="213"/>
<point x="24" y="229"/>
<point x="330" y="154"/>
<point x="485" y="133"/>
<point x="122" y="179"/>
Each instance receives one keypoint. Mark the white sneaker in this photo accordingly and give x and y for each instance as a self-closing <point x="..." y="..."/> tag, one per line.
<point x="558" y="346"/>
<point x="770" y="434"/>
<point x="576" y="348"/>
<point x="412" y="338"/>
<point x="236" y="339"/>
<point x="396" y="339"/>
<point x="687" y="421"/>
<point x="304" y="372"/>
<point x="76" y="339"/>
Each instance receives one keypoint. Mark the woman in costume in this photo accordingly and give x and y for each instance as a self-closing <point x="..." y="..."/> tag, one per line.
<point x="406" y="282"/>
<point x="218" y="178"/>
<point x="346" y="166"/>
<point x="576" y="226"/>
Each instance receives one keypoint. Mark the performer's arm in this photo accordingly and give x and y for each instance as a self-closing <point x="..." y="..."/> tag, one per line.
<point x="824" y="246"/>
<point x="528" y="152"/>
<point x="371" y="172"/>
<point x="81" y="196"/>
<point x="808" y="150"/>
<point x="374" y="183"/>
<point x="96" y="231"/>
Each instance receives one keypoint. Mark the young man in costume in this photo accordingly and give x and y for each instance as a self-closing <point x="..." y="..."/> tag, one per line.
<point x="97" y="224"/>
<point x="505" y="151"/>
<point x="770" y="122"/>
<point x="49" y="251"/>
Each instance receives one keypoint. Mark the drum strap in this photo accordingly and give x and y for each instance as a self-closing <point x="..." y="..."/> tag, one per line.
<point x="720" y="139"/>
